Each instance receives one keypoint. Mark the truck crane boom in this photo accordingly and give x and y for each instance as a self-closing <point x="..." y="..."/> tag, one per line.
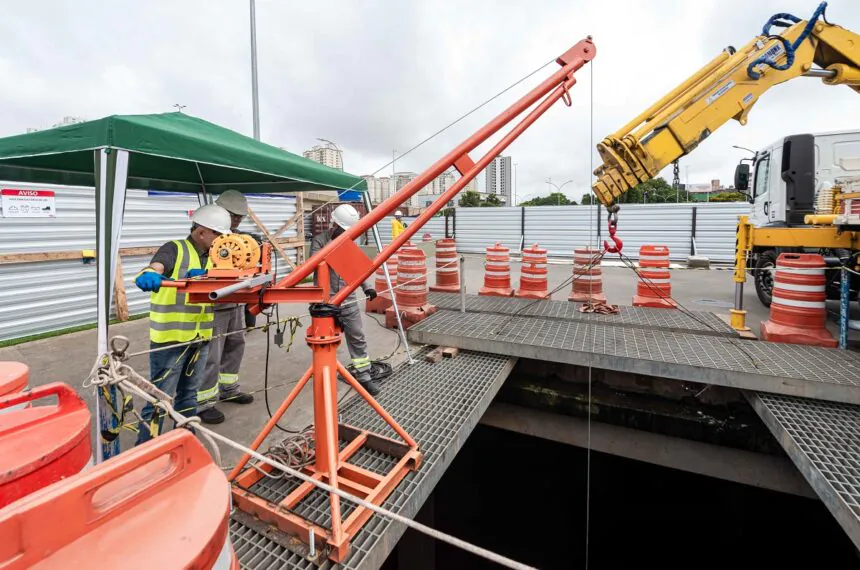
<point x="726" y="88"/>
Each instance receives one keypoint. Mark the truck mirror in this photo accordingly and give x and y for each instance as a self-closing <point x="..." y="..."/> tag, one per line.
<point x="742" y="177"/>
<point x="798" y="173"/>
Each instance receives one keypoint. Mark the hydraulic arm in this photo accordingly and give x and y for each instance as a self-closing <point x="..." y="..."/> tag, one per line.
<point x="726" y="88"/>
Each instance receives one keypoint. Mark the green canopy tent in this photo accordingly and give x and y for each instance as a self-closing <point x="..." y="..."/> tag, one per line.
<point x="170" y="151"/>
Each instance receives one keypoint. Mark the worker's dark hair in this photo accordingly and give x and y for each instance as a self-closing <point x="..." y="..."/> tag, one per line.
<point x="194" y="226"/>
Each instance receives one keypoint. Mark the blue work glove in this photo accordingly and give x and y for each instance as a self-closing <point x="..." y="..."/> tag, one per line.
<point x="195" y="273"/>
<point x="150" y="281"/>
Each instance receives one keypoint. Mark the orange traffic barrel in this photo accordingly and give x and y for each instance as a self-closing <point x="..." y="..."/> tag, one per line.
<point x="14" y="377"/>
<point x="533" y="273"/>
<point x="797" y="311"/>
<point x="42" y="444"/>
<point x="654" y="288"/>
<point x="447" y="266"/>
<point x="427" y="237"/>
<point x="383" y="297"/>
<point x="163" y="504"/>
<point x="587" y="276"/>
<point x="497" y="272"/>
<point x="412" y="291"/>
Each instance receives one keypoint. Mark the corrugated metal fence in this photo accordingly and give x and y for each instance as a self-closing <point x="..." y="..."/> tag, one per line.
<point x="39" y="297"/>
<point x="561" y="229"/>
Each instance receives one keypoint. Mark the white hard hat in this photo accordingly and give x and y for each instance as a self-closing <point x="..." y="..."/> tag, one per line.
<point x="398" y="213"/>
<point x="234" y="202"/>
<point x="345" y="216"/>
<point x="213" y="217"/>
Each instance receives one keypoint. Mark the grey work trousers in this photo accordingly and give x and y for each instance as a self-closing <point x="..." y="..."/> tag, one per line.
<point x="221" y="375"/>
<point x="356" y="343"/>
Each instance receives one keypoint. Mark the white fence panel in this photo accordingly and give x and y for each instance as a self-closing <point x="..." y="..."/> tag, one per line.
<point x="561" y="229"/>
<point x="716" y="224"/>
<point x="46" y="296"/>
<point x="479" y="228"/>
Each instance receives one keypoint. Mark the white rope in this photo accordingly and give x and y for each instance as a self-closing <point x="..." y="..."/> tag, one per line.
<point x="110" y="374"/>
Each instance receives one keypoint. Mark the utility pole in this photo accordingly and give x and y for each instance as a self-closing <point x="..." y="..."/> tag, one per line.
<point x="676" y="179"/>
<point x="254" y="93"/>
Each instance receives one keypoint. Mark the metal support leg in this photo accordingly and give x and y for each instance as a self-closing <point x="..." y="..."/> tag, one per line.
<point x="742" y="245"/>
<point x="462" y="284"/>
<point x="375" y="230"/>
<point x="844" y="309"/>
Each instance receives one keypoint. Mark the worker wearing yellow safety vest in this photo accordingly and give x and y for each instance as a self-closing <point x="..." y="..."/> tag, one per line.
<point x="221" y="375"/>
<point x="397" y="225"/>
<point x="175" y="366"/>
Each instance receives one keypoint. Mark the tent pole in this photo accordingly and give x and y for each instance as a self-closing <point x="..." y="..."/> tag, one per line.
<point x="111" y="178"/>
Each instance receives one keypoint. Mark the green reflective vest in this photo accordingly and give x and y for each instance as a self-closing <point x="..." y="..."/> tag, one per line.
<point x="171" y="317"/>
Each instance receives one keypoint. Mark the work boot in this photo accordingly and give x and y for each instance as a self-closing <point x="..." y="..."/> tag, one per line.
<point x="367" y="382"/>
<point x="372" y="387"/>
<point x="211" y="416"/>
<point x="236" y="398"/>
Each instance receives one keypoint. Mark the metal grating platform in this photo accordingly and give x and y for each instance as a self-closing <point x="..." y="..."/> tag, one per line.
<point x="635" y="317"/>
<point x="437" y="404"/>
<point x="823" y="441"/>
<point x="794" y="370"/>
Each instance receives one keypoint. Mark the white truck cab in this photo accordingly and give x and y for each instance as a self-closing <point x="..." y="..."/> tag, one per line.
<point x="783" y="186"/>
<point x="836" y="154"/>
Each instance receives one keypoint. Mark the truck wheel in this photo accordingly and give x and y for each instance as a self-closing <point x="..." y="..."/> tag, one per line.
<point x="765" y="266"/>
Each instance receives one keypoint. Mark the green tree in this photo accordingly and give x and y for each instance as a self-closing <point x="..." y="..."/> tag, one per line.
<point x="728" y="197"/>
<point x="554" y="199"/>
<point x="470" y="199"/>
<point x="491" y="201"/>
<point x="651" y="191"/>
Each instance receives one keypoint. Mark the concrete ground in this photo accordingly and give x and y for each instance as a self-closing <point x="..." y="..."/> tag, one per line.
<point x="69" y="358"/>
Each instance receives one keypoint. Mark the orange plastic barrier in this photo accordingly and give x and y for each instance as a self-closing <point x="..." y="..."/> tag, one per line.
<point x="497" y="273"/>
<point x="533" y="273"/>
<point x="588" y="277"/>
<point x="161" y="505"/>
<point x="447" y="267"/>
<point x="412" y="290"/>
<point x="40" y="445"/>
<point x="14" y="377"/>
<point x="797" y="312"/>
<point x="383" y="297"/>
<point x="654" y="288"/>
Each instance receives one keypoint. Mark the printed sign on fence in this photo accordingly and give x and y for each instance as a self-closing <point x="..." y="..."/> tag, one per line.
<point x="28" y="203"/>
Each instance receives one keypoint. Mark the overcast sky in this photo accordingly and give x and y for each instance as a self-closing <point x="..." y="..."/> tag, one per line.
<point x="374" y="76"/>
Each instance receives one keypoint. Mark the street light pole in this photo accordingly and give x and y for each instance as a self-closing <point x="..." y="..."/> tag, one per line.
<point x="254" y="93"/>
<point x="558" y="198"/>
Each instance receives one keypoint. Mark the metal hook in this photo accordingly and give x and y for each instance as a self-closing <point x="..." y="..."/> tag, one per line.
<point x="618" y="244"/>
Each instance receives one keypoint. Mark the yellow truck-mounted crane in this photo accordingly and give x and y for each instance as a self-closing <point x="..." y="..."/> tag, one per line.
<point x="727" y="88"/>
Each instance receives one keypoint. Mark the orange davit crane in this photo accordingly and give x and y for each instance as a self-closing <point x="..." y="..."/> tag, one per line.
<point x="236" y="280"/>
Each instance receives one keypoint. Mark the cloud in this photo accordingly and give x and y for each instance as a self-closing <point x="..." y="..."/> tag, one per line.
<point x="380" y="75"/>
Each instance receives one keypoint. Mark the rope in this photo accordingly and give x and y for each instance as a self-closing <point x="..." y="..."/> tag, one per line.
<point x="784" y="20"/>
<point x="591" y="293"/>
<point x="109" y="373"/>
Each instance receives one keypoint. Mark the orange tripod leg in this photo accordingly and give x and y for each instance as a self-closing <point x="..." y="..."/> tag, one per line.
<point x="270" y="425"/>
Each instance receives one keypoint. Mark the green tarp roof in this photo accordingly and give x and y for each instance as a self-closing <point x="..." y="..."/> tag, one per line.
<point x="166" y="152"/>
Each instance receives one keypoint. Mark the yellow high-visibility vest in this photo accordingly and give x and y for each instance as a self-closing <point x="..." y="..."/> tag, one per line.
<point x="397" y="228"/>
<point x="171" y="317"/>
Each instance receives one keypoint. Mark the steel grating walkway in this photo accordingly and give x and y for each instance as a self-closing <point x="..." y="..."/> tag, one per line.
<point x="823" y="441"/>
<point x="438" y="405"/>
<point x="794" y="370"/>
<point x="700" y="322"/>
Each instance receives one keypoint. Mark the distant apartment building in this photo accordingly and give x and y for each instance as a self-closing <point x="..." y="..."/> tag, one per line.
<point x="378" y="188"/>
<point x="68" y="120"/>
<point x="498" y="179"/>
<point x="326" y="154"/>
